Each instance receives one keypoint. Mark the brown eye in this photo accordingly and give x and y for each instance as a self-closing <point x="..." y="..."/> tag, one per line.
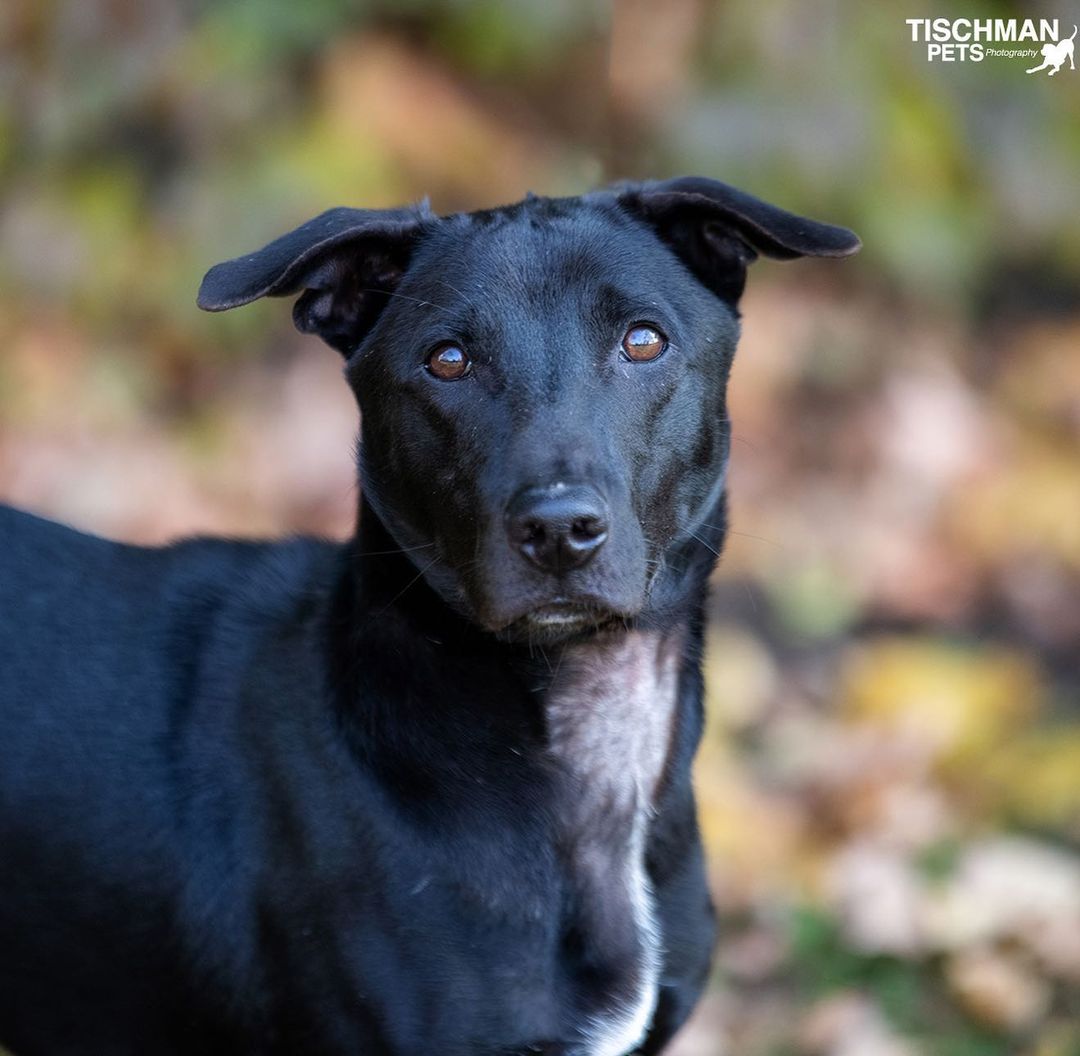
<point x="448" y="363"/>
<point x="643" y="342"/>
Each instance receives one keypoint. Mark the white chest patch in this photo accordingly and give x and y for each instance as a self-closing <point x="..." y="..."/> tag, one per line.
<point x="610" y="712"/>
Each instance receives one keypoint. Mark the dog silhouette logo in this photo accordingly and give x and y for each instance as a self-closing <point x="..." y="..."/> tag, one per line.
<point x="1055" y="53"/>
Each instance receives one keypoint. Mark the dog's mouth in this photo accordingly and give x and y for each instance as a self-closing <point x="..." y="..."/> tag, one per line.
<point x="561" y="619"/>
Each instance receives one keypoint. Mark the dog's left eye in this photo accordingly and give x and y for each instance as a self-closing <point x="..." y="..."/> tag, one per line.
<point x="448" y="363"/>
<point x="643" y="342"/>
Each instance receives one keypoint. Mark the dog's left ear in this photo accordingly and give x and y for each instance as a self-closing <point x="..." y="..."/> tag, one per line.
<point x="717" y="230"/>
<point x="346" y="261"/>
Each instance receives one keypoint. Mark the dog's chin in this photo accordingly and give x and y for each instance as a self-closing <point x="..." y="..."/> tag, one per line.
<point x="556" y="620"/>
<point x="560" y="621"/>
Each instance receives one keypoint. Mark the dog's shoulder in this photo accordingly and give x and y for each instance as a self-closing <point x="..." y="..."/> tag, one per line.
<point x="47" y="568"/>
<point x="36" y="551"/>
<point x="69" y="597"/>
<point x="24" y="535"/>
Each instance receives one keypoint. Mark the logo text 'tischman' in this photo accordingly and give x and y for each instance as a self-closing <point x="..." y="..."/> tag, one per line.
<point x="966" y="39"/>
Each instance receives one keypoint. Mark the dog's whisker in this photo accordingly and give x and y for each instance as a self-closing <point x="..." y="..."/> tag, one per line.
<point x="404" y="297"/>
<point x="750" y="597"/>
<point x="558" y="666"/>
<point x="760" y="538"/>
<point x="399" y="550"/>
<point x="397" y="597"/>
<point x="734" y="531"/>
<point x="448" y="285"/>
<point x="694" y="535"/>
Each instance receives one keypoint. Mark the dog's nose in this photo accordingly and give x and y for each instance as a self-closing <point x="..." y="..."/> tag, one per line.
<point x="557" y="528"/>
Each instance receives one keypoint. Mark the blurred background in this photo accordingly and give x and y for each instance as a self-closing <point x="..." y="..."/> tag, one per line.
<point x="890" y="784"/>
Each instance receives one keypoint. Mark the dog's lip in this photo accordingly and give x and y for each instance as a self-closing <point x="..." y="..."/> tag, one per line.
<point x="563" y="616"/>
<point x="559" y="613"/>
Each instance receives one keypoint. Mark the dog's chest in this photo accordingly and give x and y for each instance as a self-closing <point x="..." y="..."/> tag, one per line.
<point x="610" y="712"/>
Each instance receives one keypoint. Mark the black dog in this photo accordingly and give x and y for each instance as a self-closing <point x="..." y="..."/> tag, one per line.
<point x="427" y="792"/>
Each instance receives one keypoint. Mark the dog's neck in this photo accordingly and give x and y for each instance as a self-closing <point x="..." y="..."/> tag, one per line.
<point x="608" y="720"/>
<point x="577" y="693"/>
<point x="609" y="712"/>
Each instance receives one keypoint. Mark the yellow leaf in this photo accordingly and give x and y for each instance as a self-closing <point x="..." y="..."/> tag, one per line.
<point x="958" y="702"/>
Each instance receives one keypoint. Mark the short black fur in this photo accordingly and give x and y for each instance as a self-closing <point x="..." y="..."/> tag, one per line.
<point x="301" y="797"/>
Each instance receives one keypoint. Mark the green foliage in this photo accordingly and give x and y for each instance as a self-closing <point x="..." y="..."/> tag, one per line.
<point x="908" y="992"/>
<point x="824" y="962"/>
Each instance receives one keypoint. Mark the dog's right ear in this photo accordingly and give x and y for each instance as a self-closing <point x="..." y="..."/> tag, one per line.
<point x="346" y="261"/>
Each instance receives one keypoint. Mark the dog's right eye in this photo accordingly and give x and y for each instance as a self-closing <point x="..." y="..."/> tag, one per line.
<point x="448" y="363"/>
<point x="643" y="342"/>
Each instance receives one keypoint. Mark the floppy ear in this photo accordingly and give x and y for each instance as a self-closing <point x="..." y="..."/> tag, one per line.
<point x="718" y="230"/>
<point x="347" y="262"/>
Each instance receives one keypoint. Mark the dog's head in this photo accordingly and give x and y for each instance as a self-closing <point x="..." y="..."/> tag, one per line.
<point x="542" y="386"/>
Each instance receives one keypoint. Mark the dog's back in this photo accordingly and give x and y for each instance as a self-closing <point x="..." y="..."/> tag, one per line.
<point x="96" y="632"/>
<point x="113" y="761"/>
